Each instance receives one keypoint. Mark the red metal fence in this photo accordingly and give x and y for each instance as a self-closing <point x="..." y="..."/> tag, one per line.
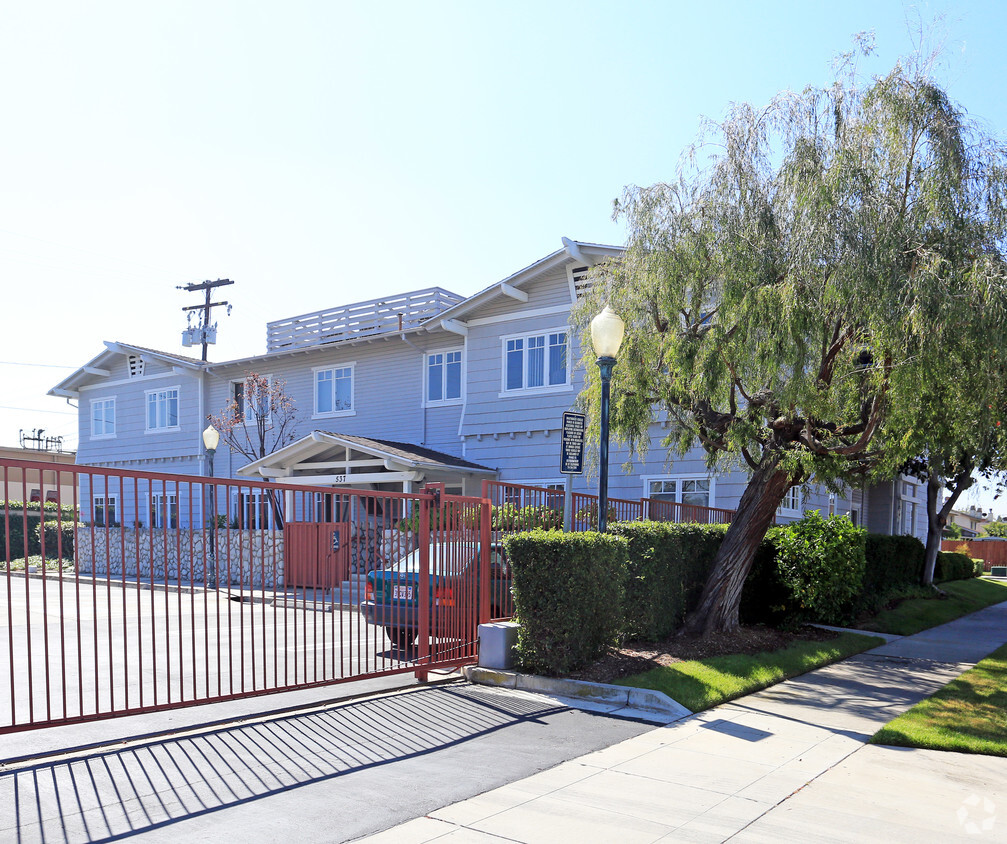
<point x="521" y="507"/>
<point x="137" y="592"/>
<point x="993" y="552"/>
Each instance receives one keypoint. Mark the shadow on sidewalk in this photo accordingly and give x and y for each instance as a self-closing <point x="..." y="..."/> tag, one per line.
<point x="119" y="793"/>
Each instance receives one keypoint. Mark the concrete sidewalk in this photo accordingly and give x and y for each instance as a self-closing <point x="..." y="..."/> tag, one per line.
<point x="789" y="763"/>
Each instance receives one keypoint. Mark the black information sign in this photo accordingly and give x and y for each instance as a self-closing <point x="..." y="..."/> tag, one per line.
<point x="572" y="459"/>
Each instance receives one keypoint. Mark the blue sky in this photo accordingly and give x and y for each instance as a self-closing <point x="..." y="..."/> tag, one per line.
<point x="320" y="153"/>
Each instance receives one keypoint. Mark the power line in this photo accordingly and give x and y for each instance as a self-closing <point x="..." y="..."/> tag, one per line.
<point x="43" y="365"/>
<point x="37" y="410"/>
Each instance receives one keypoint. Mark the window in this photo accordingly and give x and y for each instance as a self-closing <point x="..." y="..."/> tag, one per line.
<point x="907" y="514"/>
<point x="444" y="376"/>
<point x="238" y="394"/>
<point x="103" y="417"/>
<point x="106" y="511"/>
<point x="162" y="409"/>
<point x="791" y="504"/>
<point x="243" y="401"/>
<point x="695" y="491"/>
<point x="334" y="391"/>
<point x="164" y="510"/>
<point x="251" y="510"/>
<point x="536" y="361"/>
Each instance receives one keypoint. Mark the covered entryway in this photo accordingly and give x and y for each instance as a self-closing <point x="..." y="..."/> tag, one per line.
<point x="342" y="461"/>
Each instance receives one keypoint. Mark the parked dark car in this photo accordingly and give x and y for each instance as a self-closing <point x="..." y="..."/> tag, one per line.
<point x="392" y="593"/>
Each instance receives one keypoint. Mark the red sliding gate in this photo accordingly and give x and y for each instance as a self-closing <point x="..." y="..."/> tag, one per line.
<point x="127" y="592"/>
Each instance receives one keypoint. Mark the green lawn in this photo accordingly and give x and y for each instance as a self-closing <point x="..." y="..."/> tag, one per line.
<point x="968" y="715"/>
<point x="700" y="684"/>
<point x="916" y="614"/>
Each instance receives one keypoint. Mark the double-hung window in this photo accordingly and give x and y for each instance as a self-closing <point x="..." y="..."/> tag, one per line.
<point x="103" y="417"/>
<point x="106" y="510"/>
<point x="444" y="376"/>
<point x="334" y="391"/>
<point x="252" y="399"/>
<point x="792" y="502"/>
<point x="162" y="409"/>
<point x="164" y="510"/>
<point x="536" y="361"/>
<point x="695" y="491"/>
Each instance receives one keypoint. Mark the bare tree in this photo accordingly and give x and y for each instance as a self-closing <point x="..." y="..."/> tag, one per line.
<point x="259" y="419"/>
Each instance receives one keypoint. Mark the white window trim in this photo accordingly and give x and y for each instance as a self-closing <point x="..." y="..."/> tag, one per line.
<point x="546" y="388"/>
<point x="427" y="401"/>
<point x="168" y="429"/>
<point x="153" y="498"/>
<point x="783" y="510"/>
<point x="258" y="496"/>
<point x="352" y="366"/>
<point x="111" y="496"/>
<point x="115" y="421"/>
<point x="690" y="476"/>
<point x="244" y="408"/>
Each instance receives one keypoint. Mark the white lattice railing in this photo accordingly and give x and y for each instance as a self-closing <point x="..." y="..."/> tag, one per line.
<point x="362" y="319"/>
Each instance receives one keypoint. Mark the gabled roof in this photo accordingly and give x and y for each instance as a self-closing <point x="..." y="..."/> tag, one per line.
<point x="97" y="366"/>
<point x="587" y="254"/>
<point x="322" y="444"/>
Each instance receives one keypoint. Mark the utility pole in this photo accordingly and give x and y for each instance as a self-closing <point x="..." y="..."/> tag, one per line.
<point x="207" y="287"/>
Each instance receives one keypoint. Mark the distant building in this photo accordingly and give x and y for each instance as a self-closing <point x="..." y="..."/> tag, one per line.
<point x="971" y="520"/>
<point x="36" y="485"/>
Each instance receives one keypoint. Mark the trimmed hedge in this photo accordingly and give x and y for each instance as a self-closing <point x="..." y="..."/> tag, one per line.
<point x="954" y="566"/>
<point x="14" y="516"/>
<point x="667" y="567"/>
<point x="568" y="596"/>
<point x="893" y="563"/>
<point x="577" y="594"/>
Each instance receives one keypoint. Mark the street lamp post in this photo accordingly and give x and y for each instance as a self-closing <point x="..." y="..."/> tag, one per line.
<point x="211" y="439"/>
<point x="606" y="337"/>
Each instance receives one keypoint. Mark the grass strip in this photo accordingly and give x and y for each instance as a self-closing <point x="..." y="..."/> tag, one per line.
<point x="968" y="715"/>
<point x="916" y="614"/>
<point x="700" y="684"/>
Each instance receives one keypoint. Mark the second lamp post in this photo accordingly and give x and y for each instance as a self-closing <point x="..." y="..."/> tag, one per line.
<point x="606" y="337"/>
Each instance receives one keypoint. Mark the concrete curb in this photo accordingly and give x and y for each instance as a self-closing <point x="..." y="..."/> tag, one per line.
<point x="888" y="637"/>
<point x="644" y="702"/>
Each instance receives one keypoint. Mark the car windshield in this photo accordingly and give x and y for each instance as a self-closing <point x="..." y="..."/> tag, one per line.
<point x="444" y="559"/>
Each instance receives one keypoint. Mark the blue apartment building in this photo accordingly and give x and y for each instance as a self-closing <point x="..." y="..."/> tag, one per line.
<point x="392" y="393"/>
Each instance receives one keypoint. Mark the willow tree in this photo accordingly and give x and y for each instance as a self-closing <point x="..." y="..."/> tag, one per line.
<point x="956" y="429"/>
<point x="785" y="297"/>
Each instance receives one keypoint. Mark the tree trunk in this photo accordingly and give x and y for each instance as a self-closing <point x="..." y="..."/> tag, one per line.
<point x="937" y="517"/>
<point x="717" y="611"/>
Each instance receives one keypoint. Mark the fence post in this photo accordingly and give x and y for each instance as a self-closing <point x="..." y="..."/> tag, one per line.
<point x="485" y="600"/>
<point x="423" y="632"/>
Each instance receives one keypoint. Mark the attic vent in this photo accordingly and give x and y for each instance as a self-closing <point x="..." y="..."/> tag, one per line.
<point x="581" y="285"/>
<point x="135" y="366"/>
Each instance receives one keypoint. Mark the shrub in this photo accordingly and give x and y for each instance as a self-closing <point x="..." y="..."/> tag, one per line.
<point x="568" y="595"/>
<point x="893" y="564"/>
<point x="58" y="539"/>
<point x="510" y="517"/>
<point x="821" y="564"/>
<point x="954" y="566"/>
<point x="667" y="566"/>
